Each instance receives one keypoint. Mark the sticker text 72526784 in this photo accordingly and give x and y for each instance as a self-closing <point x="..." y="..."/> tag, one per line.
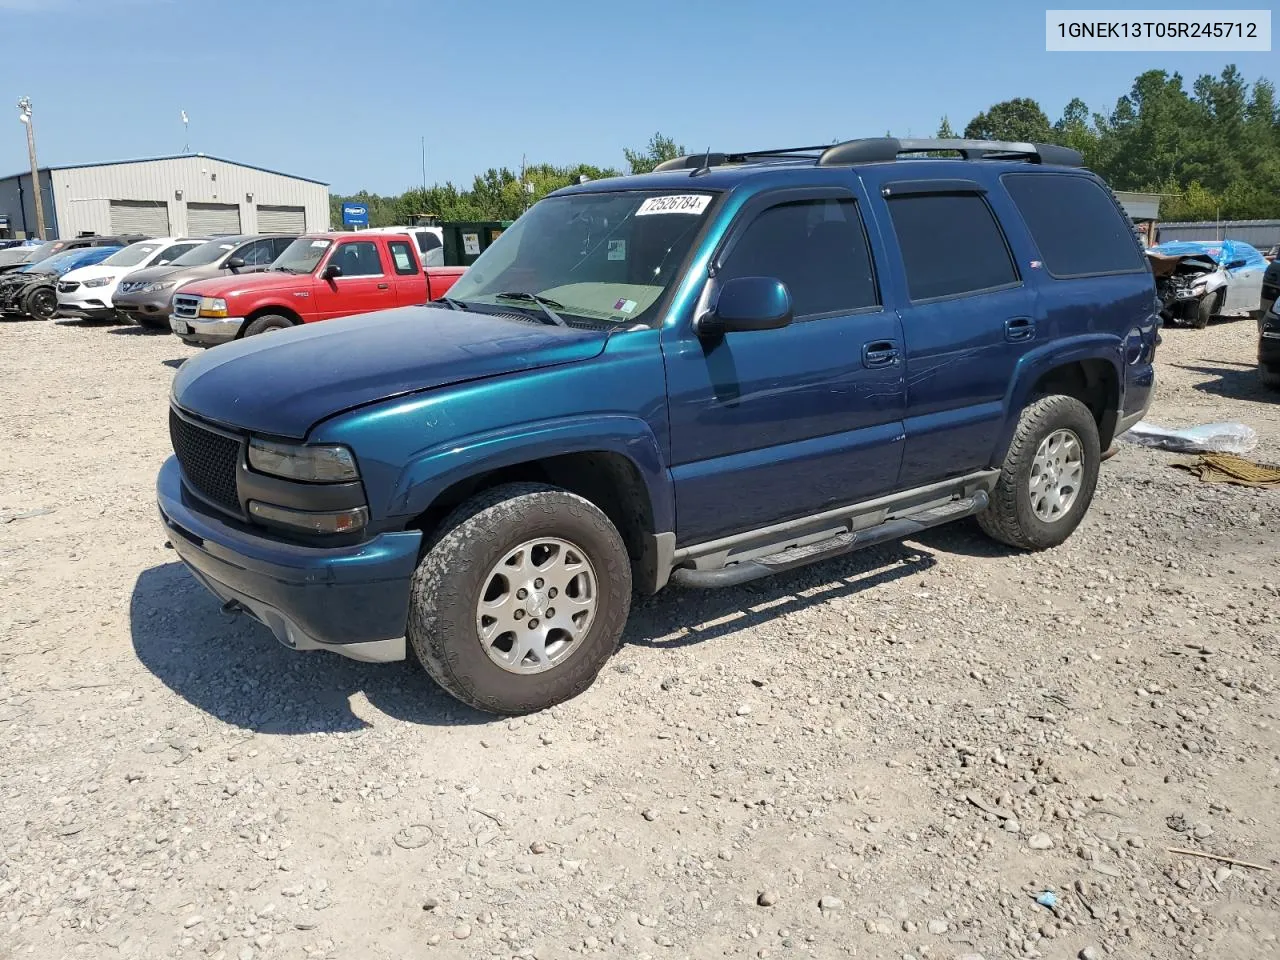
<point x="693" y="203"/>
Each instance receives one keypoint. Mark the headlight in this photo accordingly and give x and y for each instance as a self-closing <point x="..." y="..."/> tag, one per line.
<point x="311" y="464"/>
<point x="157" y="287"/>
<point x="213" y="307"/>
<point x="98" y="282"/>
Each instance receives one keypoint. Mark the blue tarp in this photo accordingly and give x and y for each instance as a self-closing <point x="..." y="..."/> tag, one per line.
<point x="1222" y="251"/>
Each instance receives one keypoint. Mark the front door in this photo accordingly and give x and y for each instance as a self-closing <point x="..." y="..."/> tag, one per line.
<point x="773" y="425"/>
<point x="363" y="285"/>
<point x="410" y="284"/>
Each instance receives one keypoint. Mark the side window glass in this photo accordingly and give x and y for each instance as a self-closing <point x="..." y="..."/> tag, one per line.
<point x="253" y="253"/>
<point x="818" y="248"/>
<point x="403" y="258"/>
<point x="280" y="244"/>
<point x="1076" y="225"/>
<point x="358" y="258"/>
<point x="172" y="253"/>
<point x="951" y="244"/>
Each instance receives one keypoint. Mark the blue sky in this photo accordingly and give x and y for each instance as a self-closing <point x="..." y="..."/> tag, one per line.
<point x="342" y="90"/>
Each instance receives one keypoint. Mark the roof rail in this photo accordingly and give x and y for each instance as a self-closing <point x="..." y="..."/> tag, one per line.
<point x="884" y="150"/>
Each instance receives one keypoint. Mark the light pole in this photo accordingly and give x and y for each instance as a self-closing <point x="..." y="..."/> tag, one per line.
<point x="24" y="114"/>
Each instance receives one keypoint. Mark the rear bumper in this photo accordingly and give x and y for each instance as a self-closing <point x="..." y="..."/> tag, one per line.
<point x="351" y="600"/>
<point x="205" y="333"/>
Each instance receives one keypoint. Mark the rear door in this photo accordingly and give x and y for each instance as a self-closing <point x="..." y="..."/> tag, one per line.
<point x="364" y="284"/>
<point x="409" y="283"/>
<point x="967" y="318"/>
<point x="774" y="425"/>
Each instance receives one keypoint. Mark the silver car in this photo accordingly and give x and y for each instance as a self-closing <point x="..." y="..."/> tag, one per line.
<point x="145" y="296"/>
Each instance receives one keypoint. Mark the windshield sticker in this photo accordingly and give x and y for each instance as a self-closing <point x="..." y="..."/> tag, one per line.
<point x="319" y="244"/>
<point x="693" y="203"/>
<point x="623" y="305"/>
<point x="617" y="249"/>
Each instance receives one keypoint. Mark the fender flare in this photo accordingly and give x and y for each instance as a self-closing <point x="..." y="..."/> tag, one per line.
<point x="433" y="470"/>
<point x="280" y="308"/>
<point x="1034" y="364"/>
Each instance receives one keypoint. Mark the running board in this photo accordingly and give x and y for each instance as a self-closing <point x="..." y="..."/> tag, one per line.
<point x="896" y="529"/>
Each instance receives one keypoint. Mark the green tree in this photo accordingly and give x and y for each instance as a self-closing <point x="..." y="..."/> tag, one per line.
<point x="659" y="148"/>
<point x="944" y="130"/>
<point x="1018" y="119"/>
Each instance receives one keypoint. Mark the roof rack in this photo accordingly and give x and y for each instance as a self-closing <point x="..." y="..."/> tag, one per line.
<point x="885" y="150"/>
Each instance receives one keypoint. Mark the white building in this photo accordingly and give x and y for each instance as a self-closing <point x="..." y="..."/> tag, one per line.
<point x="189" y="195"/>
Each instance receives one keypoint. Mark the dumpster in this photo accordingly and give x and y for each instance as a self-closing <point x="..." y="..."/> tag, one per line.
<point x="464" y="241"/>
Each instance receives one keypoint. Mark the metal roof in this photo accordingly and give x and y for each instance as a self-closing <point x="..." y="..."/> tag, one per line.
<point x="175" y="156"/>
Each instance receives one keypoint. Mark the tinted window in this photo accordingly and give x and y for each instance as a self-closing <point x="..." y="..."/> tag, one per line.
<point x="817" y="248"/>
<point x="358" y="259"/>
<point x="172" y="253"/>
<point x="258" y="254"/>
<point x="1076" y="225"/>
<point x="427" y="241"/>
<point x="950" y="244"/>
<point x="280" y="244"/>
<point x="402" y="258"/>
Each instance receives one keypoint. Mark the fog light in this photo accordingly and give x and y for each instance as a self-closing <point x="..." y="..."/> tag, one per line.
<point x="305" y="521"/>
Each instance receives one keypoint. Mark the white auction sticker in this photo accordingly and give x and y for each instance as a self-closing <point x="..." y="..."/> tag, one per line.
<point x="693" y="203"/>
<point x="1169" y="30"/>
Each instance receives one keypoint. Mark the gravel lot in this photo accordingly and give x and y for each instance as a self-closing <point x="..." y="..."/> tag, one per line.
<point x="888" y="755"/>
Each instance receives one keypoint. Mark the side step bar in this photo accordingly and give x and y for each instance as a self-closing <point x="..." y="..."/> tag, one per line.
<point x="896" y="529"/>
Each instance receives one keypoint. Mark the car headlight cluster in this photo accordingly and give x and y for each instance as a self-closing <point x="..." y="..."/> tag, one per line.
<point x="305" y="462"/>
<point x="98" y="282"/>
<point x="157" y="287"/>
<point x="213" y="307"/>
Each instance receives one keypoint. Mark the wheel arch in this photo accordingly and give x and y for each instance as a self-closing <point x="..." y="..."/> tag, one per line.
<point x="1089" y="369"/>
<point x="266" y="309"/>
<point x="617" y="466"/>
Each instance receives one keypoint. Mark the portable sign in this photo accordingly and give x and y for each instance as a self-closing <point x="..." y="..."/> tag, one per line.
<point x="471" y="244"/>
<point x="355" y="214"/>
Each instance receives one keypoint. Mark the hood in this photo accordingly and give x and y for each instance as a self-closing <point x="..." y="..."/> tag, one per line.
<point x="152" y="274"/>
<point x="235" y="284"/>
<point x="81" y="274"/>
<point x="284" y="383"/>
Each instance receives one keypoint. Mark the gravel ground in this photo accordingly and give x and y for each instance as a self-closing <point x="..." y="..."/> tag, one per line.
<point x="888" y="755"/>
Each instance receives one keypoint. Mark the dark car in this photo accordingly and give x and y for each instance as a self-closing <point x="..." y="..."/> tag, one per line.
<point x="32" y="291"/>
<point x="1269" y="347"/>
<point x="1270" y="288"/>
<point x="724" y="369"/>
<point x="18" y="257"/>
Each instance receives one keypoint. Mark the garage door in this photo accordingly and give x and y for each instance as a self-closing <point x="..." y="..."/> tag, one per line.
<point x="147" y="217"/>
<point x="282" y="220"/>
<point x="212" y="219"/>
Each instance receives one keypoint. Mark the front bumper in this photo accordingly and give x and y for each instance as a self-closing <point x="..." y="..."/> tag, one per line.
<point x="84" y="311"/>
<point x="148" y="309"/>
<point x="205" y="332"/>
<point x="351" y="600"/>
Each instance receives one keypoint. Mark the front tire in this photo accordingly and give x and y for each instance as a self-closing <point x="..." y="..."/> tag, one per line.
<point x="1048" y="477"/>
<point x="267" y="323"/>
<point x="41" y="304"/>
<point x="521" y="601"/>
<point x="1207" y="309"/>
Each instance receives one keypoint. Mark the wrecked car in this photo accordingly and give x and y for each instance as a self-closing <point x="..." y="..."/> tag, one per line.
<point x="1198" y="280"/>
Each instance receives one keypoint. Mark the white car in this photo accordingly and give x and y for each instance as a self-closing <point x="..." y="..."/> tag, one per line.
<point x="85" y="294"/>
<point x="429" y="241"/>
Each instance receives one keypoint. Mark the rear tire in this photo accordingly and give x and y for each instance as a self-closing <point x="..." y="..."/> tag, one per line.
<point x="267" y="323"/>
<point x="1052" y="463"/>
<point x="476" y="606"/>
<point x="1207" y="309"/>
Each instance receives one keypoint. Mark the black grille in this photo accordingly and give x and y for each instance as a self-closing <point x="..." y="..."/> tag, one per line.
<point x="209" y="461"/>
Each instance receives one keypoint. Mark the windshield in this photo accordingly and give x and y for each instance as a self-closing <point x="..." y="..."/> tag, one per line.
<point x="47" y="249"/>
<point x="603" y="256"/>
<point x="131" y="255"/>
<point x="60" y="264"/>
<point x="203" y="255"/>
<point x="301" y="256"/>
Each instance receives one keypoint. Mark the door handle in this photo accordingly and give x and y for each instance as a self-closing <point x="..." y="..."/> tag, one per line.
<point x="383" y="286"/>
<point x="880" y="353"/>
<point x="1019" y="328"/>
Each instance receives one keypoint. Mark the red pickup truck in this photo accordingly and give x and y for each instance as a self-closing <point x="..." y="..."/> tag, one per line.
<point x="318" y="277"/>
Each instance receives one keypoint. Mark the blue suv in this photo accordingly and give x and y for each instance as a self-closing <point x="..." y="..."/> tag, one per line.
<point x="730" y="367"/>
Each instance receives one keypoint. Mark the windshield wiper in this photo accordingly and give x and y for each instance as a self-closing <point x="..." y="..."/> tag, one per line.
<point x="451" y="303"/>
<point x="545" y="303"/>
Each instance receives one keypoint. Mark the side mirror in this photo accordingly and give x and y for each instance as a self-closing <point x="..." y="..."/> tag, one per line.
<point x="235" y="263"/>
<point x="331" y="272"/>
<point x="745" y="304"/>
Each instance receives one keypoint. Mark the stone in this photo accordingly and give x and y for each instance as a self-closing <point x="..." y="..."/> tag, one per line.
<point x="462" y="931"/>
<point x="767" y="898"/>
<point x="829" y="902"/>
<point x="938" y="927"/>
<point x="1040" y="841"/>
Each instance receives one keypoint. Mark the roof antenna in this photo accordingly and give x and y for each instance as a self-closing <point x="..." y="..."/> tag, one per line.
<point x="706" y="165"/>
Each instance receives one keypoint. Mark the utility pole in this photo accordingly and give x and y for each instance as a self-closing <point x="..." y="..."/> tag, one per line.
<point x="24" y="114"/>
<point x="424" y="170"/>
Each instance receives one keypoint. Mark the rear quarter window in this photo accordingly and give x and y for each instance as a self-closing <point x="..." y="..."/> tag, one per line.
<point x="1077" y="226"/>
